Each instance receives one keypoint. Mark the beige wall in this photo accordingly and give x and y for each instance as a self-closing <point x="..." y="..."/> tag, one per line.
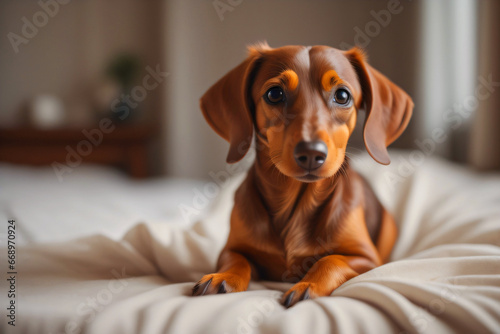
<point x="68" y="54"/>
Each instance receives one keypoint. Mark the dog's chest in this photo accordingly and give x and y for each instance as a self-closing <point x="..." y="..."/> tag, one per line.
<point x="288" y="232"/>
<point x="289" y="257"/>
<point x="278" y="267"/>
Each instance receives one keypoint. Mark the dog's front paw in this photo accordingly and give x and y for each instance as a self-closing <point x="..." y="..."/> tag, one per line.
<point x="219" y="283"/>
<point x="301" y="291"/>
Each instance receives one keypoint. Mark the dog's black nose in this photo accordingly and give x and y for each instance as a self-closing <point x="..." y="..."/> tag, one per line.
<point x="310" y="155"/>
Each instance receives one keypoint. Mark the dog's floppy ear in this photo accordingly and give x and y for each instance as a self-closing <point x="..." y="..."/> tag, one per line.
<point x="388" y="108"/>
<point x="227" y="105"/>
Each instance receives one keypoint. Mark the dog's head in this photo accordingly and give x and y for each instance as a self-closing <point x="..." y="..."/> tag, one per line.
<point x="302" y="103"/>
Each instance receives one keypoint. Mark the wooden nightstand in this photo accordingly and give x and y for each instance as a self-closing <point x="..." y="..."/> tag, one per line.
<point x="121" y="146"/>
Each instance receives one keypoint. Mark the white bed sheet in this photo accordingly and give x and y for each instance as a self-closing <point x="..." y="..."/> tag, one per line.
<point x="444" y="278"/>
<point x="89" y="200"/>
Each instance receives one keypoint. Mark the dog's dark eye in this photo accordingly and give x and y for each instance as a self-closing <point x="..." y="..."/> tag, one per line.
<point x="342" y="96"/>
<point x="274" y="95"/>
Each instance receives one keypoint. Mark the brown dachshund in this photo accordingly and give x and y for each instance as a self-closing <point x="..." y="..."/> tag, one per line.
<point x="302" y="214"/>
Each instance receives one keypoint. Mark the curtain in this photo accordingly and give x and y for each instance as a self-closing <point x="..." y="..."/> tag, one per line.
<point x="448" y="70"/>
<point x="484" y="151"/>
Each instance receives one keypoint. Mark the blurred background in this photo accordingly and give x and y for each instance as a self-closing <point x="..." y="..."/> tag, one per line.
<point x="118" y="82"/>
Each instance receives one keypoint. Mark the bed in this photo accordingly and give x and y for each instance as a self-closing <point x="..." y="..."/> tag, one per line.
<point x="100" y="253"/>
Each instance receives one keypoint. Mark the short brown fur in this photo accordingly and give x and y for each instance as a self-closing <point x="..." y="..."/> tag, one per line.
<point x="316" y="228"/>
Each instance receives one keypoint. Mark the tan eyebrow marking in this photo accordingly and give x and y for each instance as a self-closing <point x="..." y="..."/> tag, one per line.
<point x="292" y="79"/>
<point x="330" y="79"/>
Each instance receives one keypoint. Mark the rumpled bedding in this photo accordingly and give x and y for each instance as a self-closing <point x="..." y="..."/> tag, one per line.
<point x="444" y="274"/>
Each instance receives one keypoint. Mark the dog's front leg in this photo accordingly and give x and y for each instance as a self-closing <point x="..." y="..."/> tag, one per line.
<point x="233" y="275"/>
<point x="326" y="275"/>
